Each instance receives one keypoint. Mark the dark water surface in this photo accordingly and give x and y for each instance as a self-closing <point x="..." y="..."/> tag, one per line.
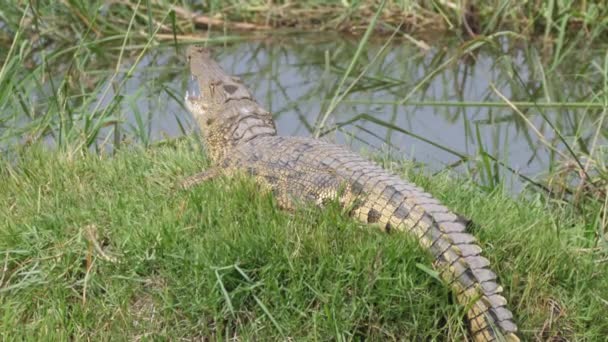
<point x="297" y="79"/>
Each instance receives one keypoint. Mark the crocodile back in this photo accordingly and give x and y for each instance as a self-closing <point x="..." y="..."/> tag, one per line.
<point x="305" y="169"/>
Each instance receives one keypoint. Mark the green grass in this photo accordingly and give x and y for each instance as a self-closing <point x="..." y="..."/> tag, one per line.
<point x="107" y="248"/>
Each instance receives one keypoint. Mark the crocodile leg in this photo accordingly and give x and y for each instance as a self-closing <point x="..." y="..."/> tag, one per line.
<point x="199" y="178"/>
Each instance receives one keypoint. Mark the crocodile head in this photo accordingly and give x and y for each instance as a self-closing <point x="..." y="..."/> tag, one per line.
<point x="222" y="106"/>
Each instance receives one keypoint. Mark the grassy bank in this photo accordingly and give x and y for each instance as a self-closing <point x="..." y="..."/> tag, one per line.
<point x="102" y="248"/>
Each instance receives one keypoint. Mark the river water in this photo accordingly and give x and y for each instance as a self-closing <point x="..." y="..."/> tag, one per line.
<point x="433" y="106"/>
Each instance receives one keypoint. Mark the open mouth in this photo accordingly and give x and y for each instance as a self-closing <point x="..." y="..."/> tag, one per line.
<point x="193" y="92"/>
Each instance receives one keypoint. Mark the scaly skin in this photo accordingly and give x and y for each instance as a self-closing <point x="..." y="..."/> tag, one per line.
<point x="240" y="136"/>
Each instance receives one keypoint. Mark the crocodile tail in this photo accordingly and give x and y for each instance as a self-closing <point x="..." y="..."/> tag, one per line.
<point x="401" y="206"/>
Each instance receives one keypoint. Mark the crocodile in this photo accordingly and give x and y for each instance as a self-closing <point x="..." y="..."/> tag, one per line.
<point x="240" y="136"/>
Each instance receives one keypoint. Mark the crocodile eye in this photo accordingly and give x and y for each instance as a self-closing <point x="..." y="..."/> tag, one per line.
<point x="209" y="121"/>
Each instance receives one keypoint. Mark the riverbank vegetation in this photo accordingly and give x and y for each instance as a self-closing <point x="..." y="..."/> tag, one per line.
<point x="96" y="242"/>
<point x="552" y="20"/>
